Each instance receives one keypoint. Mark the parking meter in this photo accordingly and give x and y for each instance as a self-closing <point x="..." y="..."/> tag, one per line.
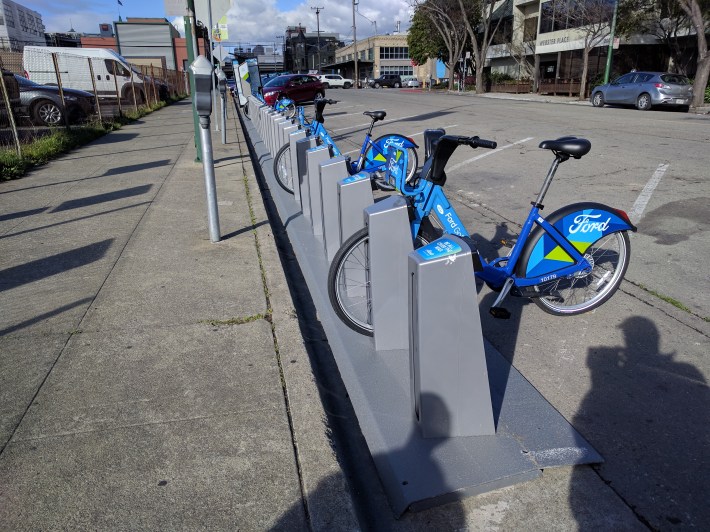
<point x="221" y="81"/>
<point x="202" y="71"/>
<point x="222" y="86"/>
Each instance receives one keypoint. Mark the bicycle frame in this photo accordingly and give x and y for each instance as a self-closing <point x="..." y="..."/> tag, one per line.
<point x="363" y="162"/>
<point x="428" y="197"/>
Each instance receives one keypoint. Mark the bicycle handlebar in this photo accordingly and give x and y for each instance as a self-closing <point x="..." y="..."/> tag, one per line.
<point x="476" y="142"/>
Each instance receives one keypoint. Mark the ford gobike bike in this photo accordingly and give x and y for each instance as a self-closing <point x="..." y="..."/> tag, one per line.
<point x="371" y="158"/>
<point x="568" y="263"/>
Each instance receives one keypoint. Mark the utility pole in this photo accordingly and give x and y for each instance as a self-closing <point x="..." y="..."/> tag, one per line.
<point x="318" y="10"/>
<point x="357" y="80"/>
<point x="610" y="49"/>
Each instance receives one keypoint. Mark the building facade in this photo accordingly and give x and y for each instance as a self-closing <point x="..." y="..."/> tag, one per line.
<point x="19" y="26"/>
<point x="308" y="52"/>
<point x="535" y="43"/>
<point x="379" y="55"/>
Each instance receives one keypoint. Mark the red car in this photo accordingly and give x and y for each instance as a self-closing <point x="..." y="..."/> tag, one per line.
<point x="298" y="87"/>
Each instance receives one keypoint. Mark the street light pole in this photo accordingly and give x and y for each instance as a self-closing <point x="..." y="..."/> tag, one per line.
<point x="318" y="10"/>
<point x="357" y="80"/>
<point x="610" y="49"/>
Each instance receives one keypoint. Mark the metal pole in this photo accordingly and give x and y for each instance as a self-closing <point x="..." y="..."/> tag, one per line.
<point x="10" y="115"/>
<point x="61" y="91"/>
<point x="96" y="93"/>
<point x="210" y="186"/>
<point x="610" y="50"/>
<point x="357" y="80"/>
<point x="318" y="10"/>
<point x="223" y="103"/>
<point x="214" y="81"/>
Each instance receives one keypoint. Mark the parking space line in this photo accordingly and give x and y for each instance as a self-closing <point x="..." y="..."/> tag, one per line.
<point x="642" y="201"/>
<point x="486" y="154"/>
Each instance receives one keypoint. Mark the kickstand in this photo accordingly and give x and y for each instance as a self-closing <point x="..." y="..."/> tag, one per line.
<point x="498" y="311"/>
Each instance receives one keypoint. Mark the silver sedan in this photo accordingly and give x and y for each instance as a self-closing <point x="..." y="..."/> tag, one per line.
<point x="645" y="90"/>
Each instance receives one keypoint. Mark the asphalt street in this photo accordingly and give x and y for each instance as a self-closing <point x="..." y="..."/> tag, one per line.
<point x="632" y="375"/>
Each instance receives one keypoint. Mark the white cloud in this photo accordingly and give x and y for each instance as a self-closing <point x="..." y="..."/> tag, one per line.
<point x="260" y="21"/>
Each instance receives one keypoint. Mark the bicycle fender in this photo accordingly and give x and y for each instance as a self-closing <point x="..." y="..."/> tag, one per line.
<point x="383" y="143"/>
<point x="582" y="224"/>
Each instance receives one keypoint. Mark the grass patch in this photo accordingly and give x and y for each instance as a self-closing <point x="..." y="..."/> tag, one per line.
<point x="677" y="304"/>
<point x="237" y="321"/>
<point x="41" y="150"/>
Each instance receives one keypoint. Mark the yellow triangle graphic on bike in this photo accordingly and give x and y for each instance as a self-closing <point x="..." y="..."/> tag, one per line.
<point x="561" y="255"/>
<point x="381" y="158"/>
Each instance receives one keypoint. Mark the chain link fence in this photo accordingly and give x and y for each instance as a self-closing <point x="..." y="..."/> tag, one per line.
<point x="42" y="89"/>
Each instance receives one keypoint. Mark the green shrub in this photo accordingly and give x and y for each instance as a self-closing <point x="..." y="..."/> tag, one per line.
<point x="499" y="77"/>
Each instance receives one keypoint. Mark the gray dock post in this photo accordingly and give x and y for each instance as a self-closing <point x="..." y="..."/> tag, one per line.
<point x="314" y="157"/>
<point x="331" y="172"/>
<point x="390" y="241"/>
<point x="449" y="376"/>
<point x="354" y="195"/>
<point x="302" y="147"/>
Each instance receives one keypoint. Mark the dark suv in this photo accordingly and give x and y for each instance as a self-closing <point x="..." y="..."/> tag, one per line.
<point x="386" y="80"/>
<point x="298" y="87"/>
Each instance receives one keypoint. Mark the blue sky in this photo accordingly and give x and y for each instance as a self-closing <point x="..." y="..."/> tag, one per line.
<point x="255" y="21"/>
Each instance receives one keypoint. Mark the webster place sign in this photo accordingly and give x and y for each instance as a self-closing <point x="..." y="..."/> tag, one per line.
<point x="563" y="41"/>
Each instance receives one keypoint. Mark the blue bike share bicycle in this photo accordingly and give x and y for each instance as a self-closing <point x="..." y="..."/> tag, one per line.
<point x="372" y="156"/>
<point x="568" y="263"/>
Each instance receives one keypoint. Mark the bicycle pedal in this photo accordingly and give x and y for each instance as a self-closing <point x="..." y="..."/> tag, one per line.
<point x="507" y="243"/>
<point x="500" y="313"/>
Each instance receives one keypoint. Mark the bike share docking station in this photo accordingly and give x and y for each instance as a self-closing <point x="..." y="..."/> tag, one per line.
<point x="443" y="413"/>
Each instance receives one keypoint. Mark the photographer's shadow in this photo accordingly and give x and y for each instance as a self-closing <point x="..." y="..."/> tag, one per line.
<point x="648" y="414"/>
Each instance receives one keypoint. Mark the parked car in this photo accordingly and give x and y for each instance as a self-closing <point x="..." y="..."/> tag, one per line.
<point x="386" y="80"/>
<point x="298" y="87"/>
<point x="335" y="80"/>
<point x="43" y="103"/>
<point x="13" y="91"/>
<point x="111" y="70"/>
<point x="411" y="82"/>
<point x="645" y="90"/>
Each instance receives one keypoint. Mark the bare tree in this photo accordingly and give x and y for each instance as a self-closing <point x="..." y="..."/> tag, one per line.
<point x="591" y="19"/>
<point x="665" y="20"/>
<point x="446" y="18"/>
<point x="472" y="11"/>
<point x="701" y="20"/>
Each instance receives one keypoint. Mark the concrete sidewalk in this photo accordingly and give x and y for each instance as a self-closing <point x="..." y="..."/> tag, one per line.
<point x="152" y="379"/>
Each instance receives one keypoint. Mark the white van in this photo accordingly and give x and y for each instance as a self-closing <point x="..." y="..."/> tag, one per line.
<point x="110" y="70"/>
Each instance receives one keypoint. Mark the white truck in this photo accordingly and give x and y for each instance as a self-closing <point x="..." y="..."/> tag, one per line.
<point x="111" y="71"/>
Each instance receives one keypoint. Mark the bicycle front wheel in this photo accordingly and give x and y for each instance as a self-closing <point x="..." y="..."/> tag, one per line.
<point x="349" y="280"/>
<point x="585" y="291"/>
<point x="374" y="155"/>
<point x="282" y="168"/>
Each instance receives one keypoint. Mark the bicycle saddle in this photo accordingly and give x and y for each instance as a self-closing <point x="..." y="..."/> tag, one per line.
<point x="376" y="115"/>
<point x="569" y="146"/>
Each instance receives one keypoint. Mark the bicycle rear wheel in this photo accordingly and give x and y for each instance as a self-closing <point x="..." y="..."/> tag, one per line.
<point x="373" y="155"/>
<point x="282" y="168"/>
<point x="349" y="280"/>
<point x="580" y="293"/>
